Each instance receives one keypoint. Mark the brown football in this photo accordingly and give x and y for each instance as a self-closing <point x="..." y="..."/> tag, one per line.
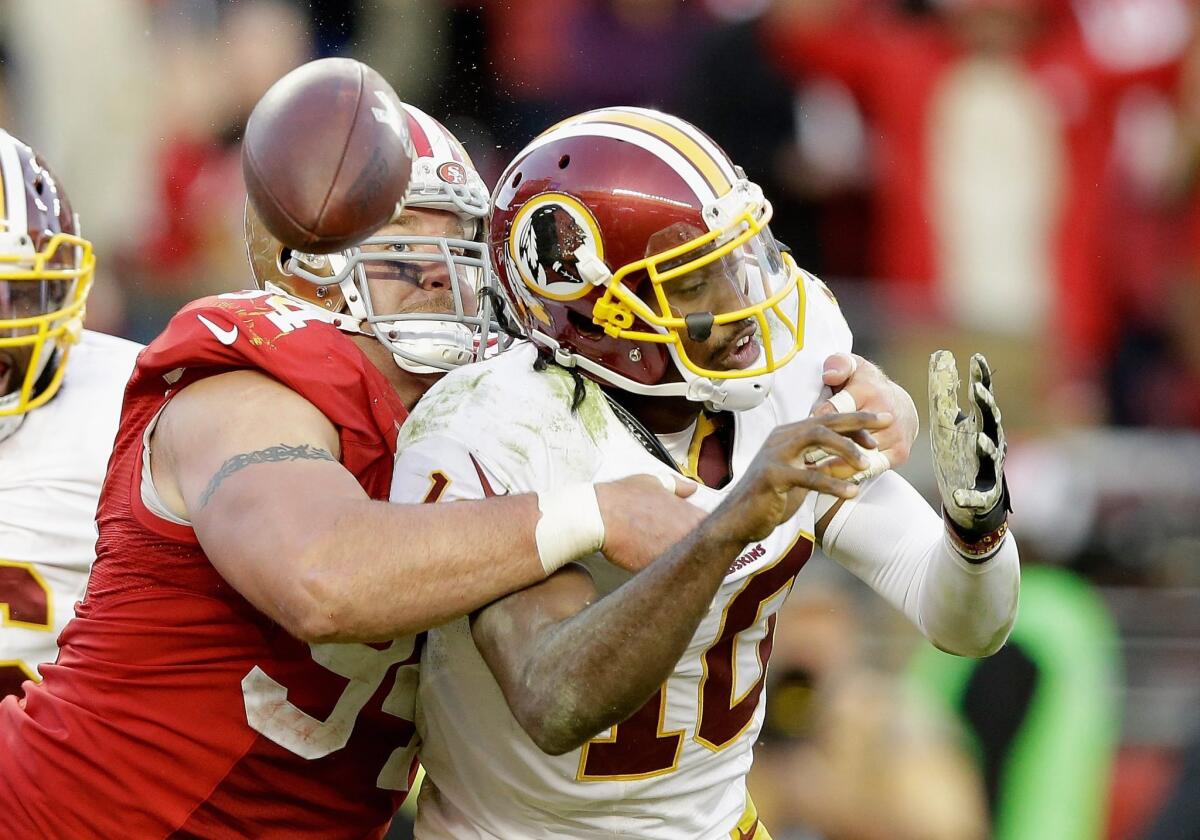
<point x="327" y="155"/>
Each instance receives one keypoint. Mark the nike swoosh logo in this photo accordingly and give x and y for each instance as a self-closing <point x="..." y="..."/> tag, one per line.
<point x="226" y="337"/>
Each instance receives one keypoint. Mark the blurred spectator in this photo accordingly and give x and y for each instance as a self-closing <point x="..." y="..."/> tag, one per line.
<point x="848" y="753"/>
<point x="739" y="97"/>
<point x="5" y="111"/>
<point x="630" y="52"/>
<point x="405" y="40"/>
<point x="83" y="85"/>
<point x="530" y="48"/>
<point x="992" y="123"/>
<point x="559" y="57"/>
<point x="215" y="67"/>
<point x="1042" y="711"/>
<point x="1155" y="379"/>
<point x="1179" y="818"/>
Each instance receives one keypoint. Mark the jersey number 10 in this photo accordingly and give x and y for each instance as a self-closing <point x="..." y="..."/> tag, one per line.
<point x="638" y="748"/>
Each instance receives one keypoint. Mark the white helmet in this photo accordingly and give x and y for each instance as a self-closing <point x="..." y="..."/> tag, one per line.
<point x="443" y="178"/>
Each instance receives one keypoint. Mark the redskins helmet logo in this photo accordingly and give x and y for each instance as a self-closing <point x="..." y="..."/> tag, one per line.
<point x="546" y="234"/>
<point x="452" y="172"/>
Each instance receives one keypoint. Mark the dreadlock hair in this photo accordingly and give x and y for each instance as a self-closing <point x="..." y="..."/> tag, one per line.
<point x="545" y="358"/>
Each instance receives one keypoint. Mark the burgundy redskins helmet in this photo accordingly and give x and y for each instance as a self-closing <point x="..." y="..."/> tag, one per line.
<point x="46" y="272"/>
<point x="443" y="178"/>
<point x="595" y="225"/>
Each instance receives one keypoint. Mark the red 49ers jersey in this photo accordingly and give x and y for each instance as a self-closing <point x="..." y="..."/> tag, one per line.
<point x="176" y="708"/>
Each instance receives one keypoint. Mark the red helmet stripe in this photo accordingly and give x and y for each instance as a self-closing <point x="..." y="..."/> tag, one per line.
<point x="441" y="142"/>
<point x="421" y="143"/>
<point x="456" y="149"/>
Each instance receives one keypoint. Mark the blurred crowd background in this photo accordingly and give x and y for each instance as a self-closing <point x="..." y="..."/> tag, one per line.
<point x="1017" y="177"/>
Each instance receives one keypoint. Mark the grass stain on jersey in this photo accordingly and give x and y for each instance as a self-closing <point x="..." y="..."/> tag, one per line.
<point x="593" y="412"/>
<point x="436" y="409"/>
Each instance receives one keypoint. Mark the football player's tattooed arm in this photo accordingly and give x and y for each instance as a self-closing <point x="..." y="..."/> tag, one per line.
<point x="253" y="466"/>
<point x="570" y="667"/>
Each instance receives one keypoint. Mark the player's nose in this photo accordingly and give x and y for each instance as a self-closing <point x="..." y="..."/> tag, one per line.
<point x="435" y="277"/>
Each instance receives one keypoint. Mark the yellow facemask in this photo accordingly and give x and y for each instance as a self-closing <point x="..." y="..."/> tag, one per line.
<point x="42" y="308"/>
<point x="741" y="252"/>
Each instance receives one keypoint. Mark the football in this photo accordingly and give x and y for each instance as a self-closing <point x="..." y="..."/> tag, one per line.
<point x="326" y="155"/>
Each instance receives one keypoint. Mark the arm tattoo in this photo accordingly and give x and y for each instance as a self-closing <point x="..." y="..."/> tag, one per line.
<point x="282" y="452"/>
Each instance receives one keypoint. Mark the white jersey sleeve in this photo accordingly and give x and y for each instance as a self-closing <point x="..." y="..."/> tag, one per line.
<point x="51" y="471"/>
<point x="504" y="418"/>
<point x="440" y="468"/>
<point x="891" y="539"/>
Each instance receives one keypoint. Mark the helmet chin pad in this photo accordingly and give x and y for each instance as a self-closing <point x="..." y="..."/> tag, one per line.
<point x="716" y="395"/>
<point x="730" y="394"/>
<point x="428" y="346"/>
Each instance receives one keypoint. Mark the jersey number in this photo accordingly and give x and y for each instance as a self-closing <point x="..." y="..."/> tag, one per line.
<point x="286" y="315"/>
<point x="639" y="748"/>
<point x="270" y="713"/>
<point x="24" y="602"/>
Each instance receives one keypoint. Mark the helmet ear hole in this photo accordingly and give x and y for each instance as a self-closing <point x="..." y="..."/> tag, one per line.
<point x="585" y="326"/>
<point x="564" y="161"/>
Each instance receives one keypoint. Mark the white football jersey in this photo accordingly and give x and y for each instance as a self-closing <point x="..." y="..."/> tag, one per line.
<point x="51" y="470"/>
<point x="676" y="769"/>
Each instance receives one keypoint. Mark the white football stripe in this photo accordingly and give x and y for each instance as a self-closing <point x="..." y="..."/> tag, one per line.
<point x="701" y="139"/>
<point x="659" y="148"/>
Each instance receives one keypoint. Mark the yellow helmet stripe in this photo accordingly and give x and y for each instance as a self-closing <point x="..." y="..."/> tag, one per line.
<point x="643" y="119"/>
<point x="696" y="155"/>
<point x="708" y="146"/>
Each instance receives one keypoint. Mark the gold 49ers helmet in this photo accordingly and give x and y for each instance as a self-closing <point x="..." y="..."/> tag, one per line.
<point x="615" y="235"/>
<point x="46" y="271"/>
<point x="443" y="178"/>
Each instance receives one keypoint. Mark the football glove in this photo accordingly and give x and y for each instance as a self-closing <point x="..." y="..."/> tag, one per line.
<point x="968" y="454"/>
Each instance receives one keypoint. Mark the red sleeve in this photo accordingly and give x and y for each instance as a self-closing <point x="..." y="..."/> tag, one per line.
<point x="293" y="344"/>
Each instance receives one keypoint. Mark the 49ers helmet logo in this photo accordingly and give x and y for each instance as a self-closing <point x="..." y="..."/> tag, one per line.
<point x="542" y="244"/>
<point x="452" y="172"/>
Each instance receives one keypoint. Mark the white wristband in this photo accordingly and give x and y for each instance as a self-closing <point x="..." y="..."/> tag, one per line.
<point x="570" y="527"/>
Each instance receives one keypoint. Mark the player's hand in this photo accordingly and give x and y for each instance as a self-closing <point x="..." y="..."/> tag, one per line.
<point x="779" y="477"/>
<point x="642" y="518"/>
<point x="968" y="449"/>
<point x="859" y="385"/>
